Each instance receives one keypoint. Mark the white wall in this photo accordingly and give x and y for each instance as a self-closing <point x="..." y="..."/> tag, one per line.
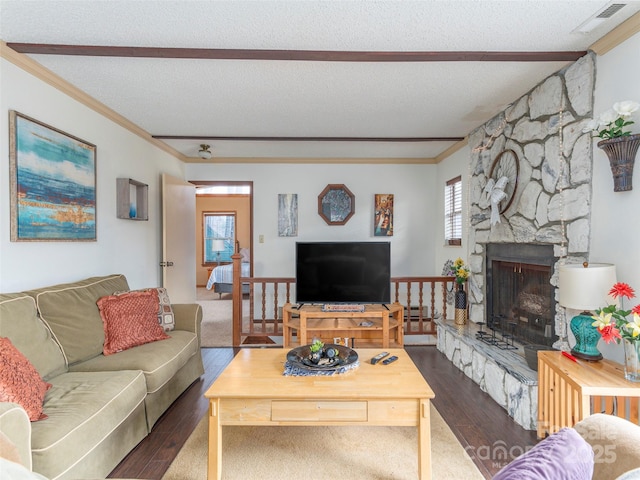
<point x="615" y="216"/>
<point x="415" y="189"/>
<point x="123" y="246"/>
<point x="451" y="167"/>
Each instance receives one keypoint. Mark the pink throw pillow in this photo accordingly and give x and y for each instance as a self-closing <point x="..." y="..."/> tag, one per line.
<point x="20" y="382"/>
<point x="130" y="319"/>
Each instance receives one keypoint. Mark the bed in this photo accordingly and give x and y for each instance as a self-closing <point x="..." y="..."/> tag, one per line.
<point x="221" y="278"/>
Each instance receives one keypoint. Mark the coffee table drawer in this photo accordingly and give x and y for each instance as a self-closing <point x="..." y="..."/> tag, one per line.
<point x="318" y="411"/>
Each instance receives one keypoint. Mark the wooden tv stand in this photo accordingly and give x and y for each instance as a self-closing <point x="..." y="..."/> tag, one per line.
<point x="309" y="321"/>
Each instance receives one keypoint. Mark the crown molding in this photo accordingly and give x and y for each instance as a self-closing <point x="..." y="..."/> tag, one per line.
<point x="34" y="68"/>
<point x="310" y="160"/>
<point x="618" y="35"/>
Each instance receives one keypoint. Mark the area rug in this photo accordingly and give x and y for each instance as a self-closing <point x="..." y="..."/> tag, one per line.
<point x="357" y="453"/>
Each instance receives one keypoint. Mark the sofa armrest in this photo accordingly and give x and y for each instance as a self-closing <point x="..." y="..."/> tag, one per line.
<point x="614" y="441"/>
<point x="188" y="316"/>
<point x="16" y="427"/>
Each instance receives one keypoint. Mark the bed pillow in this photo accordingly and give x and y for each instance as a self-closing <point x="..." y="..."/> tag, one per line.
<point x="246" y="258"/>
<point x="20" y="382"/>
<point x="130" y="319"/>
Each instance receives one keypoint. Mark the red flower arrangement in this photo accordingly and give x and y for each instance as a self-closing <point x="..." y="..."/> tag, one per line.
<point x="612" y="322"/>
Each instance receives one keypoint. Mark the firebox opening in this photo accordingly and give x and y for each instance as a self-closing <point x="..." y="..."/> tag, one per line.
<point x="520" y="298"/>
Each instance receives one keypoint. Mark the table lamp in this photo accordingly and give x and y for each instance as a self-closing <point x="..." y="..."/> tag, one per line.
<point x="218" y="246"/>
<point x="585" y="287"/>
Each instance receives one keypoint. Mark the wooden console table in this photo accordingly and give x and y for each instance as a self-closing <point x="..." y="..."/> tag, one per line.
<point x="310" y="320"/>
<point x="571" y="391"/>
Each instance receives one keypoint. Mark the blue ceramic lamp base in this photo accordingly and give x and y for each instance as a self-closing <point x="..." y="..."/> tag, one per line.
<point x="587" y="337"/>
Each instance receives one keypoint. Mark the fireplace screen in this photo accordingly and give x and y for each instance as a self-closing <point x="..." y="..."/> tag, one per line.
<point x="520" y="303"/>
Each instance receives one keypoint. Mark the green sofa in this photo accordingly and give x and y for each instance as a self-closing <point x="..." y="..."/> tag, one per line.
<point x="99" y="407"/>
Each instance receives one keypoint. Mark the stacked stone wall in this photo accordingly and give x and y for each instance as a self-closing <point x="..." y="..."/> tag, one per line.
<point x="552" y="202"/>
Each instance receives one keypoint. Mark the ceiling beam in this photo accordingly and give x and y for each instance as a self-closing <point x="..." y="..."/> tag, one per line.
<point x="311" y="139"/>
<point x="297" y="55"/>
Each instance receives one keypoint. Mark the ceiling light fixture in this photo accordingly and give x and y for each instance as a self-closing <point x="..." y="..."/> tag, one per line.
<point x="204" y="151"/>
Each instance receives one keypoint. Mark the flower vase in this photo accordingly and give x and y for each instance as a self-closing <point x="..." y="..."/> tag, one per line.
<point x="460" y="305"/>
<point x="631" y="360"/>
<point x="622" y="155"/>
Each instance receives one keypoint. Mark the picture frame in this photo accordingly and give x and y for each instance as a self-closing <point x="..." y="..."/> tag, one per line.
<point x="336" y="204"/>
<point x="287" y="214"/>
<point x="52" y="183"/>
<point x="383" y="215"/>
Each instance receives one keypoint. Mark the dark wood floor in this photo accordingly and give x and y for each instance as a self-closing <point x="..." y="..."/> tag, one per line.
<point x="481" y="426"/>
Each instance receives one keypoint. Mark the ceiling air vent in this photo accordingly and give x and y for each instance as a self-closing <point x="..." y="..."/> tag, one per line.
<point x="610" y="10"/>
<point x="599" y="17"/>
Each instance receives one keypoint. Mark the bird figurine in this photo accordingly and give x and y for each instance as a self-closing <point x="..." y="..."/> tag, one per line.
<point x="495" y="194"/>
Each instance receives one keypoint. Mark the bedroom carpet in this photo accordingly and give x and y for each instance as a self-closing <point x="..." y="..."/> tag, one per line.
<point x="216" y="325"/>
<point x="358" y="453"/>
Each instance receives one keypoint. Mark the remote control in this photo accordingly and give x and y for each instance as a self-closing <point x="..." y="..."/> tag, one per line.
<point x="389" y="360"/>
<point x="378" y="357"/>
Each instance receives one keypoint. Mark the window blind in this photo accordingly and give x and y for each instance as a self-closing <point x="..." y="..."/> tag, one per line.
<point x="453" y="211"/>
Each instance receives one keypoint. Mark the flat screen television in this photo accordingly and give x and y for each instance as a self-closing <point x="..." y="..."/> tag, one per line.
<point x="343" y="272"/>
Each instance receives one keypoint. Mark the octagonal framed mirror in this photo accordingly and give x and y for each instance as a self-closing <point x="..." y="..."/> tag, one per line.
<point x="336" y="204"/>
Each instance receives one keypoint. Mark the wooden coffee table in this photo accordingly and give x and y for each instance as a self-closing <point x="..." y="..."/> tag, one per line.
<point x="253" y="391"/>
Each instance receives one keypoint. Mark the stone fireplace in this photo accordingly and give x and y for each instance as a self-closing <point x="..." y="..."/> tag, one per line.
<point x="514" y="261"/>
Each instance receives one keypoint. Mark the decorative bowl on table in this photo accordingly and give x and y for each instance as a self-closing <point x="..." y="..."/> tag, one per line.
<point x="330" y="357"/>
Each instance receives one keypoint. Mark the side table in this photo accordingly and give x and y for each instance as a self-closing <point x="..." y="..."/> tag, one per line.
<point x="571" y="391"/>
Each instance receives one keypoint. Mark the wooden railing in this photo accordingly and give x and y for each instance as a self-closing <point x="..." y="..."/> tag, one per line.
<point x="424" y="299"/>
<point x="260" y="316"/>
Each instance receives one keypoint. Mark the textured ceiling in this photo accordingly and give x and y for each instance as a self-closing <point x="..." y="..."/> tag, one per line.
<point x="284" y="98"/>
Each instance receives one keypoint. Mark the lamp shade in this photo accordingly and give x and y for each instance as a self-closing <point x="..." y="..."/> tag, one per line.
<point x="204" y="152"/>
<point x="217" y="245"/>
<point x="586" y="287"/>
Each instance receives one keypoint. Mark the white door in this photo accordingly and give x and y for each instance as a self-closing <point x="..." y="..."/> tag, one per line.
<point x="178" y="239"/>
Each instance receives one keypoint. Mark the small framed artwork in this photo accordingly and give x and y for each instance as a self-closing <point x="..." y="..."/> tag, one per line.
<point x="52" y="183"/>
<point x="287" y="214"/>
<point x="336" y="204"/>
<point x="383" y="215"/>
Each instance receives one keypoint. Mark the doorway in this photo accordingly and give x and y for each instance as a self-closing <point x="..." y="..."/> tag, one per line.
<point x="224" y="217"/>
<point x="232" y="198"/>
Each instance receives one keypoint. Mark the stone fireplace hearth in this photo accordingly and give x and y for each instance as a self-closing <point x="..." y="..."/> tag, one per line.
<point x="551" y="209"/>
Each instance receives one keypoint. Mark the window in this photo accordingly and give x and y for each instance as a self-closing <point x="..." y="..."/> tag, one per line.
<point x="219" y="231"/>
<point x="453" y="212"/>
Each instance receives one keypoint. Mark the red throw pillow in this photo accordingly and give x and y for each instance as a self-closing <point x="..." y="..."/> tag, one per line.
<point x="130" y="319"/>
<point x="20" y="382"/>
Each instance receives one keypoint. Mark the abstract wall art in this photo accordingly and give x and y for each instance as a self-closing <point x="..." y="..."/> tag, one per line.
<point x="52" y="183"/>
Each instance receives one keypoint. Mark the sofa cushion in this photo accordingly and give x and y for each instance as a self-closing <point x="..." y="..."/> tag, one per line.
<point x="159" y="360"/>
<point x="72" y="315"/>
<point x="614" y="441"/>
<point x="130" y="319"/>
<point x="19" y="321"/>
<point x="565" y="455"/>
<point x="20" y="382"/>
<point x="84" y="409"/>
